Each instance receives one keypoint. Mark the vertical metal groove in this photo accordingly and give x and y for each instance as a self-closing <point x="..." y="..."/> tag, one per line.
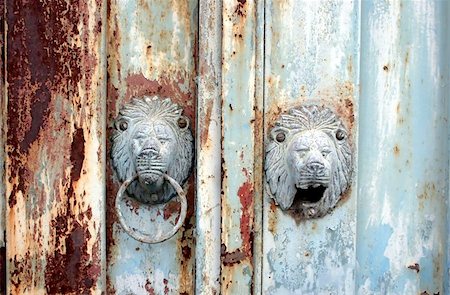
<point x="259" y="148"/>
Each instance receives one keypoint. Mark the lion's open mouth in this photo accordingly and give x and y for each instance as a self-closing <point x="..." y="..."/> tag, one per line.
<point x="310" y="194"/>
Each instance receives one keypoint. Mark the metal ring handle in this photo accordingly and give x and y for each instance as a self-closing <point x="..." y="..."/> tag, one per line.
<point x="160" y="237"/>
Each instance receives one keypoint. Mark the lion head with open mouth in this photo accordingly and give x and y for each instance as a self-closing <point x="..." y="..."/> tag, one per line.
<point x="308" y="159"/>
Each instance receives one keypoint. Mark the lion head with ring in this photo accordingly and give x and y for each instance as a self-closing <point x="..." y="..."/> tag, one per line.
<point x="151" y="138"/>
<point x="152" y="143"/>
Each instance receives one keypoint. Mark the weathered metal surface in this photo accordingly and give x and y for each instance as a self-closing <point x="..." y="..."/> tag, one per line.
<point x="55" y="146"/>
<point x="311" y="57"/>
<point x="151" y="51"/>
<point x="209" y="138"/>
<point x="239" y="111"/>
<point x="2" y="151"/>
<point x="404" y="156"/>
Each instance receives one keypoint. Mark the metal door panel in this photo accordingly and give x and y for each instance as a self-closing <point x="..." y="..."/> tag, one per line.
<point x="67" y="68"/>
<point x="55" y="149"/>
<point x="311" y="56"/>
<point x="403" y="195"/>
<point x="151" y="50"/>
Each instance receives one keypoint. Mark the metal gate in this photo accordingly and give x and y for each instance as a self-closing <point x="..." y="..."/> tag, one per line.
<point x="239" y="71"/>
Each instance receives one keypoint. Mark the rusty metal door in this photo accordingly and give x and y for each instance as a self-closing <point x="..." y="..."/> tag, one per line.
<point x="235" y="68"/>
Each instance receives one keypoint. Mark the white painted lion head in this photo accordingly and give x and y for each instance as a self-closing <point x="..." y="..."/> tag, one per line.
<point x="308" y="158"/>
<point x="152" y="137"/>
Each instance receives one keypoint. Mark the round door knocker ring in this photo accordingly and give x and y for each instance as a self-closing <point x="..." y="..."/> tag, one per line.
<point x="160" y="237"/>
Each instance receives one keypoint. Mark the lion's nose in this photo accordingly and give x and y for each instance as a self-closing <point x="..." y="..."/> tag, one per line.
<point x="149" y="147"/>
<point x="316" y="168"/>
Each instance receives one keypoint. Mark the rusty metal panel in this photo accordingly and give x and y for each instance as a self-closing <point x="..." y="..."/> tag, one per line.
<point x="404" y="155"/>
<point x="240" y="113"/>
<point x="2" y="151"/>
<point x="55" y="151"/>
<point x="311" y="56"/>
<point x="209" y="139"/>
<point x="151" y="50"/>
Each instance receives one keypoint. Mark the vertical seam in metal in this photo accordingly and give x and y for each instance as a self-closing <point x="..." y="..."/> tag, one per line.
<point x="104" y="243"/>
<point x="259" y="147"/>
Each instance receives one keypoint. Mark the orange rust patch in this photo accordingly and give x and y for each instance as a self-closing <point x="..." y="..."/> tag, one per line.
<point x="206" y="121"/>
<point x="272" y="217"/>
<point x="245" y="193"/>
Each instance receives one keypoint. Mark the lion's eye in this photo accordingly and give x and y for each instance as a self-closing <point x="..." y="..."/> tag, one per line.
<point x="121" y="125"/>
<point x="325" y="153"/>
<point x="340" y="135"/>
<point x="182" y="123"/>
<point x="280" y="137"/>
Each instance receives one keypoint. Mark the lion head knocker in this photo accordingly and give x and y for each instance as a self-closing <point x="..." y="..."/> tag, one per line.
<point x="308" y="159"/>
<point x="152" y="151"/>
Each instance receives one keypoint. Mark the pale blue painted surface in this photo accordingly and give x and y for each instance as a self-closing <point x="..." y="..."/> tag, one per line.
<point x="311" y="56"/>
<point x="403" y="145"/>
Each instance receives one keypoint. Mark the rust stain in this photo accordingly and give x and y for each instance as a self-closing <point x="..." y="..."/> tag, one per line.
<point x="415" y="267"/>
<point x="396" y="150"/>
<point x="72" y="270"/>
<point x="148" y="287"/>
<point x="206" y="117"/>
<point x="273" y="220"/>
<point x="429" y="191"/>
<point x="240" y="8"/>
<point x="170" y="209"/>
<point x="231" y="258"/>
<point x="77" y="154"/>
<point x="245" y="193"/>
<point x="139" y="85"/>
